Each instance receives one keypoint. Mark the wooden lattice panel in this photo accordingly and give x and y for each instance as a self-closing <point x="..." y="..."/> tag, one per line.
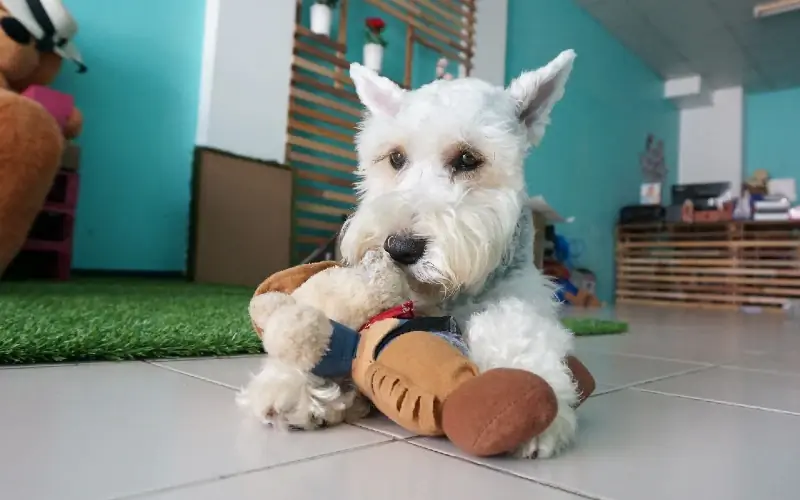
<point x="323" y="113"/>
<point x="723" y="265"/>
<point x="447" y="27"/>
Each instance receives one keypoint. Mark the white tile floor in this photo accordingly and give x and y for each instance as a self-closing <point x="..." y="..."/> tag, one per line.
<point x="691" y="405"/>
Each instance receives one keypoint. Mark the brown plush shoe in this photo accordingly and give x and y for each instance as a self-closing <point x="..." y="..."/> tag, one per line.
<point x="497" y="411"/>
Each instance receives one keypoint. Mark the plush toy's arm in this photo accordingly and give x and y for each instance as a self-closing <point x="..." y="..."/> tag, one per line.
<point x="74" y="125"/>
<point x="288" y="280"/>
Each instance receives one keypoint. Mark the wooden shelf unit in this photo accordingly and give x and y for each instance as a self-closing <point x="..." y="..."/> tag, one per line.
<point x="721" y="265"/>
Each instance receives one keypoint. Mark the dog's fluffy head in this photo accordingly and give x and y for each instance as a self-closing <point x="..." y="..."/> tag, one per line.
<point x="445" y="163"/>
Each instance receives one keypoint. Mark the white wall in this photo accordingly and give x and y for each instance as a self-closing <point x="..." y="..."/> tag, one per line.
<point x="490" y="41"/>
<point x="711" y="140"/>
<point x="244" y="92"/>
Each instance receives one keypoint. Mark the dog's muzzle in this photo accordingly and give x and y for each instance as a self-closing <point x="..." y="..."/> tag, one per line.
<point x="405" y="249"/>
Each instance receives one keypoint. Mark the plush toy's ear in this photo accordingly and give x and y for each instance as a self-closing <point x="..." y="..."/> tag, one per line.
<point x="288" y="280"/>
<point x="380" y="95"/>
<point x="537" y="92"/>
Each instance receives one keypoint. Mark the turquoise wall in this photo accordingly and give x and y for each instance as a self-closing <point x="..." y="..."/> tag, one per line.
<point x="771" y="133"/>
<point x="588" y="163"/>
<point x="139" y="99"/>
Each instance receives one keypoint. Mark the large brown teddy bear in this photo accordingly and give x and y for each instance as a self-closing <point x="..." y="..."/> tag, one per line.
<point x="31" y="141"/>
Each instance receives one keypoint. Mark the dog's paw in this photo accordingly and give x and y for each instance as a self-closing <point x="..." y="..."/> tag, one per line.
<point x="288" y="398"/>
<point x="553" y="440"/>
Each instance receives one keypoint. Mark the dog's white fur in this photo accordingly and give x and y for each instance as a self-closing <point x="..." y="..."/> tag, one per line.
<point x="478" y="261"/>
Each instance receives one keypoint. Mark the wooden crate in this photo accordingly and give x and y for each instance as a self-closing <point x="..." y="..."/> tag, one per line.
<point x="719" y="265"/>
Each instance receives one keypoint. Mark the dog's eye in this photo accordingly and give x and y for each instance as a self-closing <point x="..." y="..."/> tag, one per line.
<point x="466" y="161"/>
<point x="397" y="159"/>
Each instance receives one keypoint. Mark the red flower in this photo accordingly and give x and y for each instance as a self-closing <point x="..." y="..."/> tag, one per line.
<point x="375" y="24"/>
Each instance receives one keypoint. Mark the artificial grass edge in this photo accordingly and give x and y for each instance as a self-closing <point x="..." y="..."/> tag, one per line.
<point x="126" y="320"/>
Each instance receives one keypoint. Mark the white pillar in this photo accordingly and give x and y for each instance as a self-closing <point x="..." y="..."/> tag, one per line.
<point x="489" y="61"/>
<point x="244" y="92"/>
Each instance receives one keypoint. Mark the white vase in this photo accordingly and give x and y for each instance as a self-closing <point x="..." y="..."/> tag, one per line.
<point x="373" y="56"/>
<point x="321" y="19"/>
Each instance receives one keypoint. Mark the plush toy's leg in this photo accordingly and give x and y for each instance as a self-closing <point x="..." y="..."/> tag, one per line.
<point x="411" y="377"/>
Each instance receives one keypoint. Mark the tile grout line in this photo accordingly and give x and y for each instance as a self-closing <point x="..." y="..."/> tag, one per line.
<point x="781" y="373"/>
<point x="718" y="402"/>
<point x="591" y="351"/>
<point x="632" y="385"/>
<point x="507" y="472"/>
<point x="157" y="364"/>
<point x="224" y="477"/>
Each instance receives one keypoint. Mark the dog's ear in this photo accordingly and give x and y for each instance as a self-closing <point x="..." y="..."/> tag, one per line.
<point x="538" y="91"/>
<point x="380" y="95"/>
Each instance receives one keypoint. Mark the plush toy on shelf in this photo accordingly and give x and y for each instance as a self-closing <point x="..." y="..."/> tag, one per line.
<point x="32" y="46"/>
<point x="334" y="335"/>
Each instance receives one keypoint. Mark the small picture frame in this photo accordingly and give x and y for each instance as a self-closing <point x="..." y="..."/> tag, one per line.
<point x="650" y="193"/>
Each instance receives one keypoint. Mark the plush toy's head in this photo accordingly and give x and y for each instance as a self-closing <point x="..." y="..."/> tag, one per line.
<point x="35" y="36"/>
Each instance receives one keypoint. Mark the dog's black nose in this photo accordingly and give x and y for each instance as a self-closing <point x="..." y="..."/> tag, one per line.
<point x="404" y="248"/>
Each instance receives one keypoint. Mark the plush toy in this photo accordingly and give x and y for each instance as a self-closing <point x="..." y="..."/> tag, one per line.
<point x="31" y="140"/>
<point x="321" y="323"/>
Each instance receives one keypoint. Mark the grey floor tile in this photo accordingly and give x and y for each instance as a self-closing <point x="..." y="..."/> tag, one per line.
<point x="233" y="372"/>
<point x="785" y="361"/>
<point x="732" y="385"/>
<point x="379" y="423"/>
<point x="635" y="445"/>
<point x="98" y="431"/>
<point x="616" y="370"/>
<point x="392" y="471"/>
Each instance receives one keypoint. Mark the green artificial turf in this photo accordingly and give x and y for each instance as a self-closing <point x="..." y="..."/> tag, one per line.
<point x="104" y="319"/>
<point x="122" y="319"/>
<point x="591" y="326"/>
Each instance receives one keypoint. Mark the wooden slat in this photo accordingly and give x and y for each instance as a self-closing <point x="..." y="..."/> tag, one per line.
<point x="403" y="16"/>
<point x="708" y="262"/>
<point x="295" y="124"/>
<point x="714" y="288"/>
<point x="670" y="303"/>
<point x="325" y="179"/>
<point x="318" y="224"/>
<point x="733" y="280"/>
<point x="727" y="271"/>
<point x="299" y="78"/>
<point x="320" y="194"/>
<point x="449" y="54"/>
<point x="324" y="101"/>
<point x="458" y="19"/>
<point x="429" y="19"/>
<point x="458" y="5"/>
<point x="304" y="48"/>
<point x="307" y="65"/>
<point x="316" y="208"/>
<point x="295" y="108"/>
<point x="700" y="244"/>
<point x="301" y="31"/>
<point x="320" y="162"/>
<point x="311" y="240"/>
<point x="320" y="147"/>
<point x="711" y="297"/>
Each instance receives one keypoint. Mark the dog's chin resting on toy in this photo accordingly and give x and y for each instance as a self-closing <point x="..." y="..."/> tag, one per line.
<point x="441" y="188"/>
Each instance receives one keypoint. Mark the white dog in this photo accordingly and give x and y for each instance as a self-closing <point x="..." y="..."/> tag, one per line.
<point x="441" y="188"/>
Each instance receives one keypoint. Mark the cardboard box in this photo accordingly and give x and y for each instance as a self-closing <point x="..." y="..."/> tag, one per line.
<point x="241" y="221"/>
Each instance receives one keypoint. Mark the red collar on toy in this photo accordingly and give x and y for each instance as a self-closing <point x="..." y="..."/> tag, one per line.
<point x="403" y="311"/>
